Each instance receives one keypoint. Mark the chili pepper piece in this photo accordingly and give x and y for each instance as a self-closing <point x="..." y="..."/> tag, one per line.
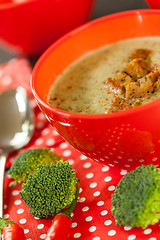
<point x="10" y="230"/>
<point x="60" y="228"/>
<point x="61" y="224"/>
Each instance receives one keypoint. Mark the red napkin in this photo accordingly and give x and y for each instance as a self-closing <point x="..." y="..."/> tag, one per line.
<point x="92" y="217"/>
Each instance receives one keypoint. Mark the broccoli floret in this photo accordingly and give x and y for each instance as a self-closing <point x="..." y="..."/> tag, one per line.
<point x="27" y="161"/>
<point x="50" y="189"/>
<point x="136" y="200"/>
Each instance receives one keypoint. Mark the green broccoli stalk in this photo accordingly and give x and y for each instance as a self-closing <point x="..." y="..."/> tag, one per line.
<point x="50" y="189"/>
<point x="136" y="200"/>
<point x="26" y="163"/>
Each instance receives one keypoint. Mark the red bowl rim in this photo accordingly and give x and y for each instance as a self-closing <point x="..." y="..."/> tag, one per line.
<point x="60" y="41"/>
<point x="15" y="4"/>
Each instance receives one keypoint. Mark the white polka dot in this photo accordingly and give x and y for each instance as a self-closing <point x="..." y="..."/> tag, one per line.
<point x="80" y="190"/>
<point x="40" y="125"/>
<point x="6" y="216"/>
<point x="100" y="203"/>
<point x="40" y="226"/>
<point x="127" y="228"/>
<point x="36" y="218"/>
<point x="39" y="141"/>
<point x="40" y="116"/>
<point x="43" y="236"/>
<point x="141" y="160"/>
<point x="82" y="199"/>
<point x="87" y="165"/>
<point x="50" y="142"/>
<point x="147" y="231"/>
<point x="111" y="188"/>
<point x="83" y="157"/>
<point x="33" y="103"/>
<point x="72" y="214"/>
<point x="96" y="238"/>
<point x="20" y="211"/>
<point x="104" y="212"/>
<point x="45" y="131"/>
<point x="63" y="145"/>
<point x="74" y="225"/>
<point x="123" y="172"/>
<point x="89" y="218"/>
<point x="89" y="175"/>
<point x="111" y="165"/>
<point x="55" y="133"/>
<point x="127" y="165"/>
<point x="22" y="221"/>
<point x="6" y="80"/>
<point x="155" y="159"/>
<point x="130" y="160"/>
<point x="26" y="231"/>
<point x="5" y="206"/>
<point x="131" y="237"/>
<point x="85" y="209"/>
<point x="71" y="161"/>
<point x="115" y="161"/>
<point x="97" y="193"/>
<point x="105" y="169"/>
<point x="111" y="233"/>
<point x="92" y="229"/>
<point x="28" y="239"/>
<point x="67" y="153"/>
<point x="108" y="222"/>
<point x="93" y="185"/>
<point x="107" y="179"/>
<point x="17" y="202"/>
<point x="15" y="193"/>
<point x="77" y="235"/>
<point x="152" y="238"/>
<point x="153" y="150"/>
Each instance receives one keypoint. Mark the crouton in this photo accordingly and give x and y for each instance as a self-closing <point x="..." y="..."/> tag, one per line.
<point x="150" y="77"/>
<point x="156" y="86"/>
<point x="137" y="68"/>
<point x="119" y="104"/>
<point x="134" y="90"/>
<point x="141" y="53"/>
<point x="119" y="81"/>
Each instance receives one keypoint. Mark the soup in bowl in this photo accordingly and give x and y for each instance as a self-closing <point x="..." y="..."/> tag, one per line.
<point x="87" y="60"/>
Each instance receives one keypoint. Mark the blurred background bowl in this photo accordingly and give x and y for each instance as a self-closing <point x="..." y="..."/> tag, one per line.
<point x="125" y="139"/>
<point x="30" y="26"/>
<point x="153" y="3"/>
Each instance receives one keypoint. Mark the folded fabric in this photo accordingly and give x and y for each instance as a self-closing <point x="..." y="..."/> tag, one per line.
<point x="92" y="217"/>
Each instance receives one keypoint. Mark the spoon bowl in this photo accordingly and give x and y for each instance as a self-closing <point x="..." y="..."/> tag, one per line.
<point x="16" y="127"/>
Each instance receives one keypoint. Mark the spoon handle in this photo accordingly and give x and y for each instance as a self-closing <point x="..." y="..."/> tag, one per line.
<point x="2" y="171"/>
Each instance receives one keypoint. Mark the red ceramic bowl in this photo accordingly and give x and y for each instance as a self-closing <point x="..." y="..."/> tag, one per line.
<point x="125" y="139"/>
<point x="32" y="25"/>
<point x="153" y="3"/>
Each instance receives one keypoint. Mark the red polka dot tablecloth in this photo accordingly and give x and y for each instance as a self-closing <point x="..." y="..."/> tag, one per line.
<point x="92" y="217"/>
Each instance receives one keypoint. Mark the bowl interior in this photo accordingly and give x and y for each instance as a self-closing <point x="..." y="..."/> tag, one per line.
<point x="88" y="37"/>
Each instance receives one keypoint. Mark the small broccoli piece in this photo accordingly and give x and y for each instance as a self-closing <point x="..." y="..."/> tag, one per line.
<point x="27" y="161"/>
<point x="50" y="189"/>
<point x="136" y="200"/>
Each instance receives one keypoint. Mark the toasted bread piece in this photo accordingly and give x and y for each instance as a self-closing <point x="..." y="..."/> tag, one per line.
<point x="137" y="68"/>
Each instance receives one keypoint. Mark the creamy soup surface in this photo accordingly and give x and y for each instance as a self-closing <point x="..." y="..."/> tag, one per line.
<point x="112" y="78"/>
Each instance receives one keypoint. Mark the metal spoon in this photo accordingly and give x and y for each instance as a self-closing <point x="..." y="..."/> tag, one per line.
<point x="16" y="127"/>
